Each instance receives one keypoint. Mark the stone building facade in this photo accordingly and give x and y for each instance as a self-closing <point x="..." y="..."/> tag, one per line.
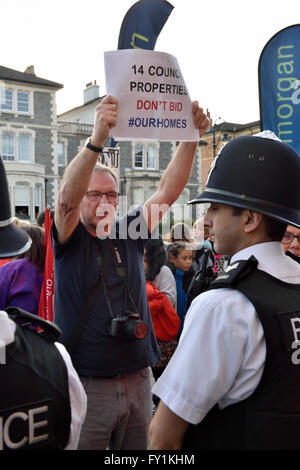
<point x="28" y="140"/>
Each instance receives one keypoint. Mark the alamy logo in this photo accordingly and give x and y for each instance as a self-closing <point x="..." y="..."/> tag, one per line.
<point x="2" y="353"/>
<point x="132" y="220"/>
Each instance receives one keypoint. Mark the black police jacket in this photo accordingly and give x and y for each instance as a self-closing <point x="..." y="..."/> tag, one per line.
<point x="270" y="418"/>
<point x="35" y="408"/>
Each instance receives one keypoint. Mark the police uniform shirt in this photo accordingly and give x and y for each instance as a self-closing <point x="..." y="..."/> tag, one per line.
<point x="78" y="400"/>
<point x="221" y="354"/>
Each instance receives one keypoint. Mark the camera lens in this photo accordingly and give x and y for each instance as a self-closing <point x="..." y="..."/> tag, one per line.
<point x="136" y="329"/>
<point x="140" y="330"/>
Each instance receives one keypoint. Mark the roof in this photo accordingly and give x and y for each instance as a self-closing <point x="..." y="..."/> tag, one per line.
<point x="233" y="127"/>
<point x="88" y="103"/>
<point x="16" y="76"/>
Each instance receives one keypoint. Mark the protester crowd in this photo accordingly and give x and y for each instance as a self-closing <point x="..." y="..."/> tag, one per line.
<point x="180" y="311"/>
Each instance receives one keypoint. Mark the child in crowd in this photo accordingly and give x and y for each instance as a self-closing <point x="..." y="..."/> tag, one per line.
<point x="180" y="256"/>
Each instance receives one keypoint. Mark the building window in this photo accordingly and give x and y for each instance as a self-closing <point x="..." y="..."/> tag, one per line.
<point x="6" y="100"/>
<point x="8" y="147"/>
<point x="138" y="156"/>
<point x="17" y="145"/>
<point x="181" y="200"/>
<point x="37" y="200"/>
<point x="145" y="156"/>
<point x="22" y="201"/>
<point x="22" y="102"/>
<point x="24" y="148"/>
<point x="150" y="151"/>
<point x="16" y="100"/>
<point x="138" y="196"/>
<point x="60" y="154"/>
<point x="150" y="192"/>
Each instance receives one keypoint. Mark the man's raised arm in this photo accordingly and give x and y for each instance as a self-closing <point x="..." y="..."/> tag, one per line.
<point x="77" y="175"/>
<point x="176" y="175"/>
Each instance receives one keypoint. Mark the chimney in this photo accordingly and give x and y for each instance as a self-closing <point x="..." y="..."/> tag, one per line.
<point x="91" y="92"/>
<point x="30" y="70"/>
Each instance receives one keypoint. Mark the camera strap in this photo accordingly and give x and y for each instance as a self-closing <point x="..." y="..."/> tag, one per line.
<point x="110" y="246"/>
<point x="103" y="264"/>
<point x="103" y="261"/>
<point x="92" y="298"/>
<point x="121" y="269"/>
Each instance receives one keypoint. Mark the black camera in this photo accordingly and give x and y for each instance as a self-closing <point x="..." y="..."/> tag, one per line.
<point x="129" y="325"/>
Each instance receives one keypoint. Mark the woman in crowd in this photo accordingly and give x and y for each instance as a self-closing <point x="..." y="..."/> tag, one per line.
<point x="179" y="232"/>
<point x="21" y="279"/>
<point x="157" y="271"/>
<point x="201" y="236"/>
<point x="161" y="292"/>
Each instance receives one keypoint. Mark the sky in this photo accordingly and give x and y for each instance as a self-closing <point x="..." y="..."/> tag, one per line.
<point x="216" y="43"/>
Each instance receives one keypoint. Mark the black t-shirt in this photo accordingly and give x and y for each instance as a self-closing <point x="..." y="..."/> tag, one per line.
<point x="75" y="274"/>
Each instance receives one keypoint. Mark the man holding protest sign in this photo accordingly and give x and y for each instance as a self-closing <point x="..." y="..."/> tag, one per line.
<point x="113" y="346"/>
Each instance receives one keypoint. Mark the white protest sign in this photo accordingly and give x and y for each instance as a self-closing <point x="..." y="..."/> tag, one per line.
<point x="153" y="102"/>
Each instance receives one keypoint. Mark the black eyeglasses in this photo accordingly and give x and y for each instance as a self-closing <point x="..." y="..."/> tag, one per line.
<point x="111" y="196"/>
<point x="288" y="237"/>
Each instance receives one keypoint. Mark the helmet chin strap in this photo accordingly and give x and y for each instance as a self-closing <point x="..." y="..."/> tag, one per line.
<point x="5" y="223"/>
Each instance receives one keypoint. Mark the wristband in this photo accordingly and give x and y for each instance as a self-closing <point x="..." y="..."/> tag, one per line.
<point x="92" y="147"/>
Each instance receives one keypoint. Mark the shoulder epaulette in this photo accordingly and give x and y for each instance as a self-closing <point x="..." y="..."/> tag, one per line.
<point x="234" y="273"/>
<point x="48" y="330"/>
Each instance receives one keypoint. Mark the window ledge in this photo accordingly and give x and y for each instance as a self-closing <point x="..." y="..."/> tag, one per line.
<point x="24" y="167"/>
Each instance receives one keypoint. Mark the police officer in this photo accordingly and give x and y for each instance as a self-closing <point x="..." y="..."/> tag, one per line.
<point x="42" y="401"/>
<point x="234" y="380"/>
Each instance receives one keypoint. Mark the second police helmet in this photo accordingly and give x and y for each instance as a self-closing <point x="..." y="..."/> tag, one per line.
<point x="13" y="240"/>
<point x="259" y="173"/>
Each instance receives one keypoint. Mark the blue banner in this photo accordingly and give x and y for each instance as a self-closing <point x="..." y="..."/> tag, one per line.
<point x="279" y="86"/>
<point x="142" y="24"/>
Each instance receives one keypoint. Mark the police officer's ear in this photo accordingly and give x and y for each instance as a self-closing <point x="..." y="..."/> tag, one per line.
<point x="253" y="221"/>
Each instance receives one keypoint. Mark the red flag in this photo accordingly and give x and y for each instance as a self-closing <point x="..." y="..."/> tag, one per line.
<point x="47" y="293"/>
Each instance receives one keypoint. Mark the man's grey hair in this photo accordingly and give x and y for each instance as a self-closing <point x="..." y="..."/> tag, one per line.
<point x="100" y="167"/>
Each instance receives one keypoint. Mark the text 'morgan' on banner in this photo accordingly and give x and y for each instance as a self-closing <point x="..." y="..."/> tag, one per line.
<point x="279" y="85"/>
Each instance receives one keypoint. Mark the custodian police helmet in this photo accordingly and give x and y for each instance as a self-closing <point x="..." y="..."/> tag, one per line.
<point x="256" y="173"/>
<point x="13" y="241"/>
